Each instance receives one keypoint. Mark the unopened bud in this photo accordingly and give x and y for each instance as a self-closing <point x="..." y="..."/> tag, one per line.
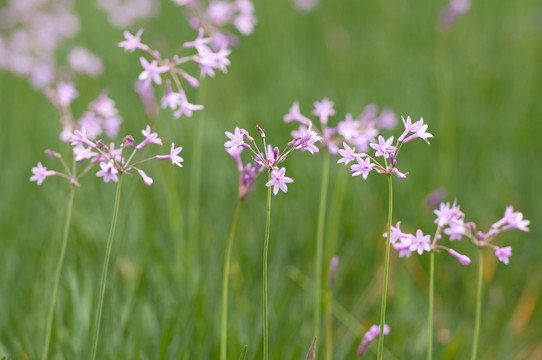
<point x="51" y="154"/>
<point x="100" y="145"/>
<point x="128" y="141"/>
<point x="258" y="128"/>
<point x="332" y="271"/>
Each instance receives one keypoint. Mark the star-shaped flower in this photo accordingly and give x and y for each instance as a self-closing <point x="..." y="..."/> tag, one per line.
<point x="384" y="147"/>
<point x="279" y="181"/>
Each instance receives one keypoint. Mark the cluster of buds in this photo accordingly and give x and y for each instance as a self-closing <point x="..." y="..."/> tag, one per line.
<point x="111" y="160"/>
<point x="359" y="132"/>
<point x="175" y="98"/>
<point x="450" y="221"/>
<point x="101" y="116"/>
<point x="269" y="159"/>
<point x="217" y="15"/>
<point x="384" y="148"/>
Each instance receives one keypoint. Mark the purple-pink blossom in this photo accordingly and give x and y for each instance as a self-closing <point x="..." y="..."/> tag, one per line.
<point x="503" y="254"/>
<point x="151" y="72"/>
<point x="370" y="336"/>
<point x="384" y="147"/>
<point x="173" y="156"/>
<point x="420" y="242"/>
<point x="236" y="139"/>
<point x="279" y="180"/>
<point x="363" y="167"/>
<point x="133" y="42"/>
<point x="40" y="173"/>
<point x="108" y="172"/>
<point x="150" y="137"/>
<point x="463" y="259"/>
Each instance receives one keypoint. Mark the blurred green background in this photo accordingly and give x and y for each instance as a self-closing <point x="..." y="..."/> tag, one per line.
<point x="478" y="88"/>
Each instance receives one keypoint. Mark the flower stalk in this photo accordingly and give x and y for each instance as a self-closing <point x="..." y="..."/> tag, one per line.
<point x="386" y="270"/>
<point x="478" y="304"/>
<point x="99" y="308"/>
<point x="225" y="281"/>
<point x="265" y="250"/>
<point x="431" y="298"/>
<point x="320" y="244"/>
<point x="52" y="303"/>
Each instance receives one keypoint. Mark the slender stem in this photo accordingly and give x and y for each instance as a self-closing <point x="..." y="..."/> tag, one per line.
<point x="104" y="272"/>
<point x="195" y="178"/>
<point x="386" y="269"/>
<point x="49" y="324"/>
<point x="431" y="295"/>
<point x="329" y="328"/>
<point x="320" y="244"/>
<point x="478" y="304"/>
<point x="265" y="247"/>
<point x="225" y="278"/>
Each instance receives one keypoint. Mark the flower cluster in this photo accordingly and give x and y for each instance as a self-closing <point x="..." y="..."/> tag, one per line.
<point x="364" y="163"/>
<point x="450" y="221"/>
<point x="122" y="13"/>
<point x="101" y="116"/>
<point x="153" y="70"/>
<point x="270" y="159"/>
<point x="370" y="336"/>
<point x="359" y="132"/>
<point x="219" y="14"/>
<point x="110" y="159"/>
<point x="33" y="31"/>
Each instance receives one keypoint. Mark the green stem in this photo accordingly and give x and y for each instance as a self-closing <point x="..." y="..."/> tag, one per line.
<point x="431" y="295"/>
<point x="478" y="305"/>
<point x="195" y="179"/>
<point x="49" y="324"/>
<point x="225" y="278"/>
<point x="104" y="272"/>
<point x="329" y="329"/>
<point x="320" y="244"/>
<point x="265" y="248"/>
<point x="386" y="270"/>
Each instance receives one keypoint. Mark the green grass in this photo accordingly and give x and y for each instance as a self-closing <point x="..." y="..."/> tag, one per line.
<point x="479" y="90"/>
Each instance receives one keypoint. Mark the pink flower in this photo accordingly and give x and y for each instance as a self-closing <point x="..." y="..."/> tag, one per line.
<point x="185" y="107"/>
<point x="108" y="172"/>
<point x="279" y="181"/>
<point x="151" y="71"/>
<point x="503" y="254"/>
<point x="173" y="156"/>
<point x="66" y="93"/>
<point x="236" y="140"/>
<point x="420" y="242"/>
<point x="347" y="154"/>
<point x="363" y="167"/>
<point x="149" y="138"/>
<point x="41" y="173"/>
<point x="133" y="42"/>
<point x="384" y="147"/>
<point x="370" y="336"/>
<point x="295" y="115"/>
<point x="323" y="109"/>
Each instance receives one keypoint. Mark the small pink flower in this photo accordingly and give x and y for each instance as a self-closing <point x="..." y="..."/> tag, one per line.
<point x="463" y="259"/>
<point x="363" y="167"/>
<point x="108" y="172"/>
<point x="503" y="254"/>
<point x="133" y="42"/>
<point x="149" y="138"/>
<point x="41" y="173"/>
<point x="237" y="139"/>
<point x="173" y="156"/>
<point x="323" y="109"/>
<point x="151" y="72"/>
<point x="295" y="115"/>
<point x="384" y="147"/>
<point x="420" y="242"/>
<point x="279" y="181"/>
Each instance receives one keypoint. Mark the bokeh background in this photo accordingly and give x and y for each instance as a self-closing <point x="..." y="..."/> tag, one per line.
<point x="479" y="88"/>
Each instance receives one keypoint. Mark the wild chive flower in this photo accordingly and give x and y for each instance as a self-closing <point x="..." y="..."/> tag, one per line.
<point x="359" y="132"/>
<point x="217" y="15"/>
<point x="158" y="68"/>
<point x="100" y="117"/>
<point x="384" y="149"/>
<point x="110" y="160"/>
<point x="279" y="180"/>
<point x="240" y="139"/>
